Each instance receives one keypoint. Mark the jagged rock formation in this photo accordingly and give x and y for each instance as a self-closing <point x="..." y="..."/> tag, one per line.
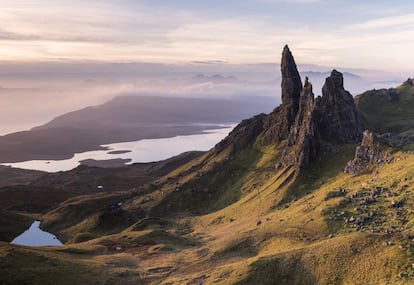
<point x="337" y="116"/>
<point x="366" y="155"/>
<point x="280" y="121"/>
<point x="304" y="135"/>
<point x="301" y="123"/>
<point x="291" y="84"/>
<point x="332" y="117"/>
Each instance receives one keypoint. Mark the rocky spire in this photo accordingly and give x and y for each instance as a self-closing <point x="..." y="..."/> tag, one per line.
<point x="280" y="121"/>
<point x="291" y="84"/>
<point x="307" y="123"/>
<point x="303" y="145"/>
<point x="337" y="116"/>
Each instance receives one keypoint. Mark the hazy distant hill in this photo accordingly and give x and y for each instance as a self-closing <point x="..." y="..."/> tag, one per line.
<point x="126" y="118"/>
<point x="133" y="111"/>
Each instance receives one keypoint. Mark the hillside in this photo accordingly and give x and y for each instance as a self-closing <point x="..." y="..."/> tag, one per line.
<point x="390" y="112"/>
<point x="303" y="195"/>
<point x="123" y="119"/>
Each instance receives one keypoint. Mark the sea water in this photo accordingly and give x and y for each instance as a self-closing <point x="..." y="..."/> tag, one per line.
<point x="148" y="150"/>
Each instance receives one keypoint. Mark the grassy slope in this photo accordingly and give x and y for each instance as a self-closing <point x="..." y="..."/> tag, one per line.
<point x="383" y="115"/>
<point x="48" y="265"/>
<point x="226" y="246"/>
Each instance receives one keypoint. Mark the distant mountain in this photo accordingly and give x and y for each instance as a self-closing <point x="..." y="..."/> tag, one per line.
<point x="126" y="118"/>
<point x="133" y="111"/>
<point x="216" y="78"/>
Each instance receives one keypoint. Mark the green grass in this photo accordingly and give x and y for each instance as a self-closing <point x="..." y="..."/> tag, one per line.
<point x="240" y="248"/>
<point x="42" y="266"/>
<point x="212" y="190"/>
<point x="321" y="171"/>
<point x="382" y="115"/>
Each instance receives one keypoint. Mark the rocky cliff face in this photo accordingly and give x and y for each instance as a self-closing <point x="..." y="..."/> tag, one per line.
<point x="337" y="116"/>
<point x="366" y="155"/>
<point x="332" y="117"/>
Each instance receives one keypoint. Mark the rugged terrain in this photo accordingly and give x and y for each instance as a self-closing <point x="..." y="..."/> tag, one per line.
<point x="303" y="195"/>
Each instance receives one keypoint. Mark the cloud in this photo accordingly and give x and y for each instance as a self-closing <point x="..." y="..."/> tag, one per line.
<point x="293" y="1"/>
<point x="115" y="31"/>
<point x="400" y="21"/>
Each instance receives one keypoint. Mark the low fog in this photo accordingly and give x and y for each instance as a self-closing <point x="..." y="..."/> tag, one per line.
<point x="33" y="94"/>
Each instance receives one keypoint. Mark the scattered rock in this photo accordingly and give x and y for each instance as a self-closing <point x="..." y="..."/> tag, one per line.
<point x="403" y="274"/>
<point x="341" y="192"/>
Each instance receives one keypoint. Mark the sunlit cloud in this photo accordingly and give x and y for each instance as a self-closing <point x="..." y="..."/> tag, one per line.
<point x="401" y="21"/>
<point x="120" y="32"/>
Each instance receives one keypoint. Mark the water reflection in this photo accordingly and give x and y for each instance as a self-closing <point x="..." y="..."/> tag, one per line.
<point x="34" y="236"/>
<point x="139" y="151"/>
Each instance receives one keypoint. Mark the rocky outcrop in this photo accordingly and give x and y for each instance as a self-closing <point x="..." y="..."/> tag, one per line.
<point x="337" y="116"/>
<point x="303" y="126"/>
<point x="409" y="82"/>
<point x="367" y="155"/>
<point x="303" y="144"/>
<point x="304" y="122"/>
<point x="291" y="83"/>
<point x="242" y="135"/>
<point x="280" y="121"/>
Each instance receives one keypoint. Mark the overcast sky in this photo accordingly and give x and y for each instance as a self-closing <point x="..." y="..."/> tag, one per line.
<point x="357" y="34"/>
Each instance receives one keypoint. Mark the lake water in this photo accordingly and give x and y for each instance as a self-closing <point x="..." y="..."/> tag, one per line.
<point x="34" y="236"/>
<point x="138" y="151"/>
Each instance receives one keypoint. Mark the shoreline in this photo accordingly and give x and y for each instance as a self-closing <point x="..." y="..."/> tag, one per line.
<point x="30" y="145"/>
